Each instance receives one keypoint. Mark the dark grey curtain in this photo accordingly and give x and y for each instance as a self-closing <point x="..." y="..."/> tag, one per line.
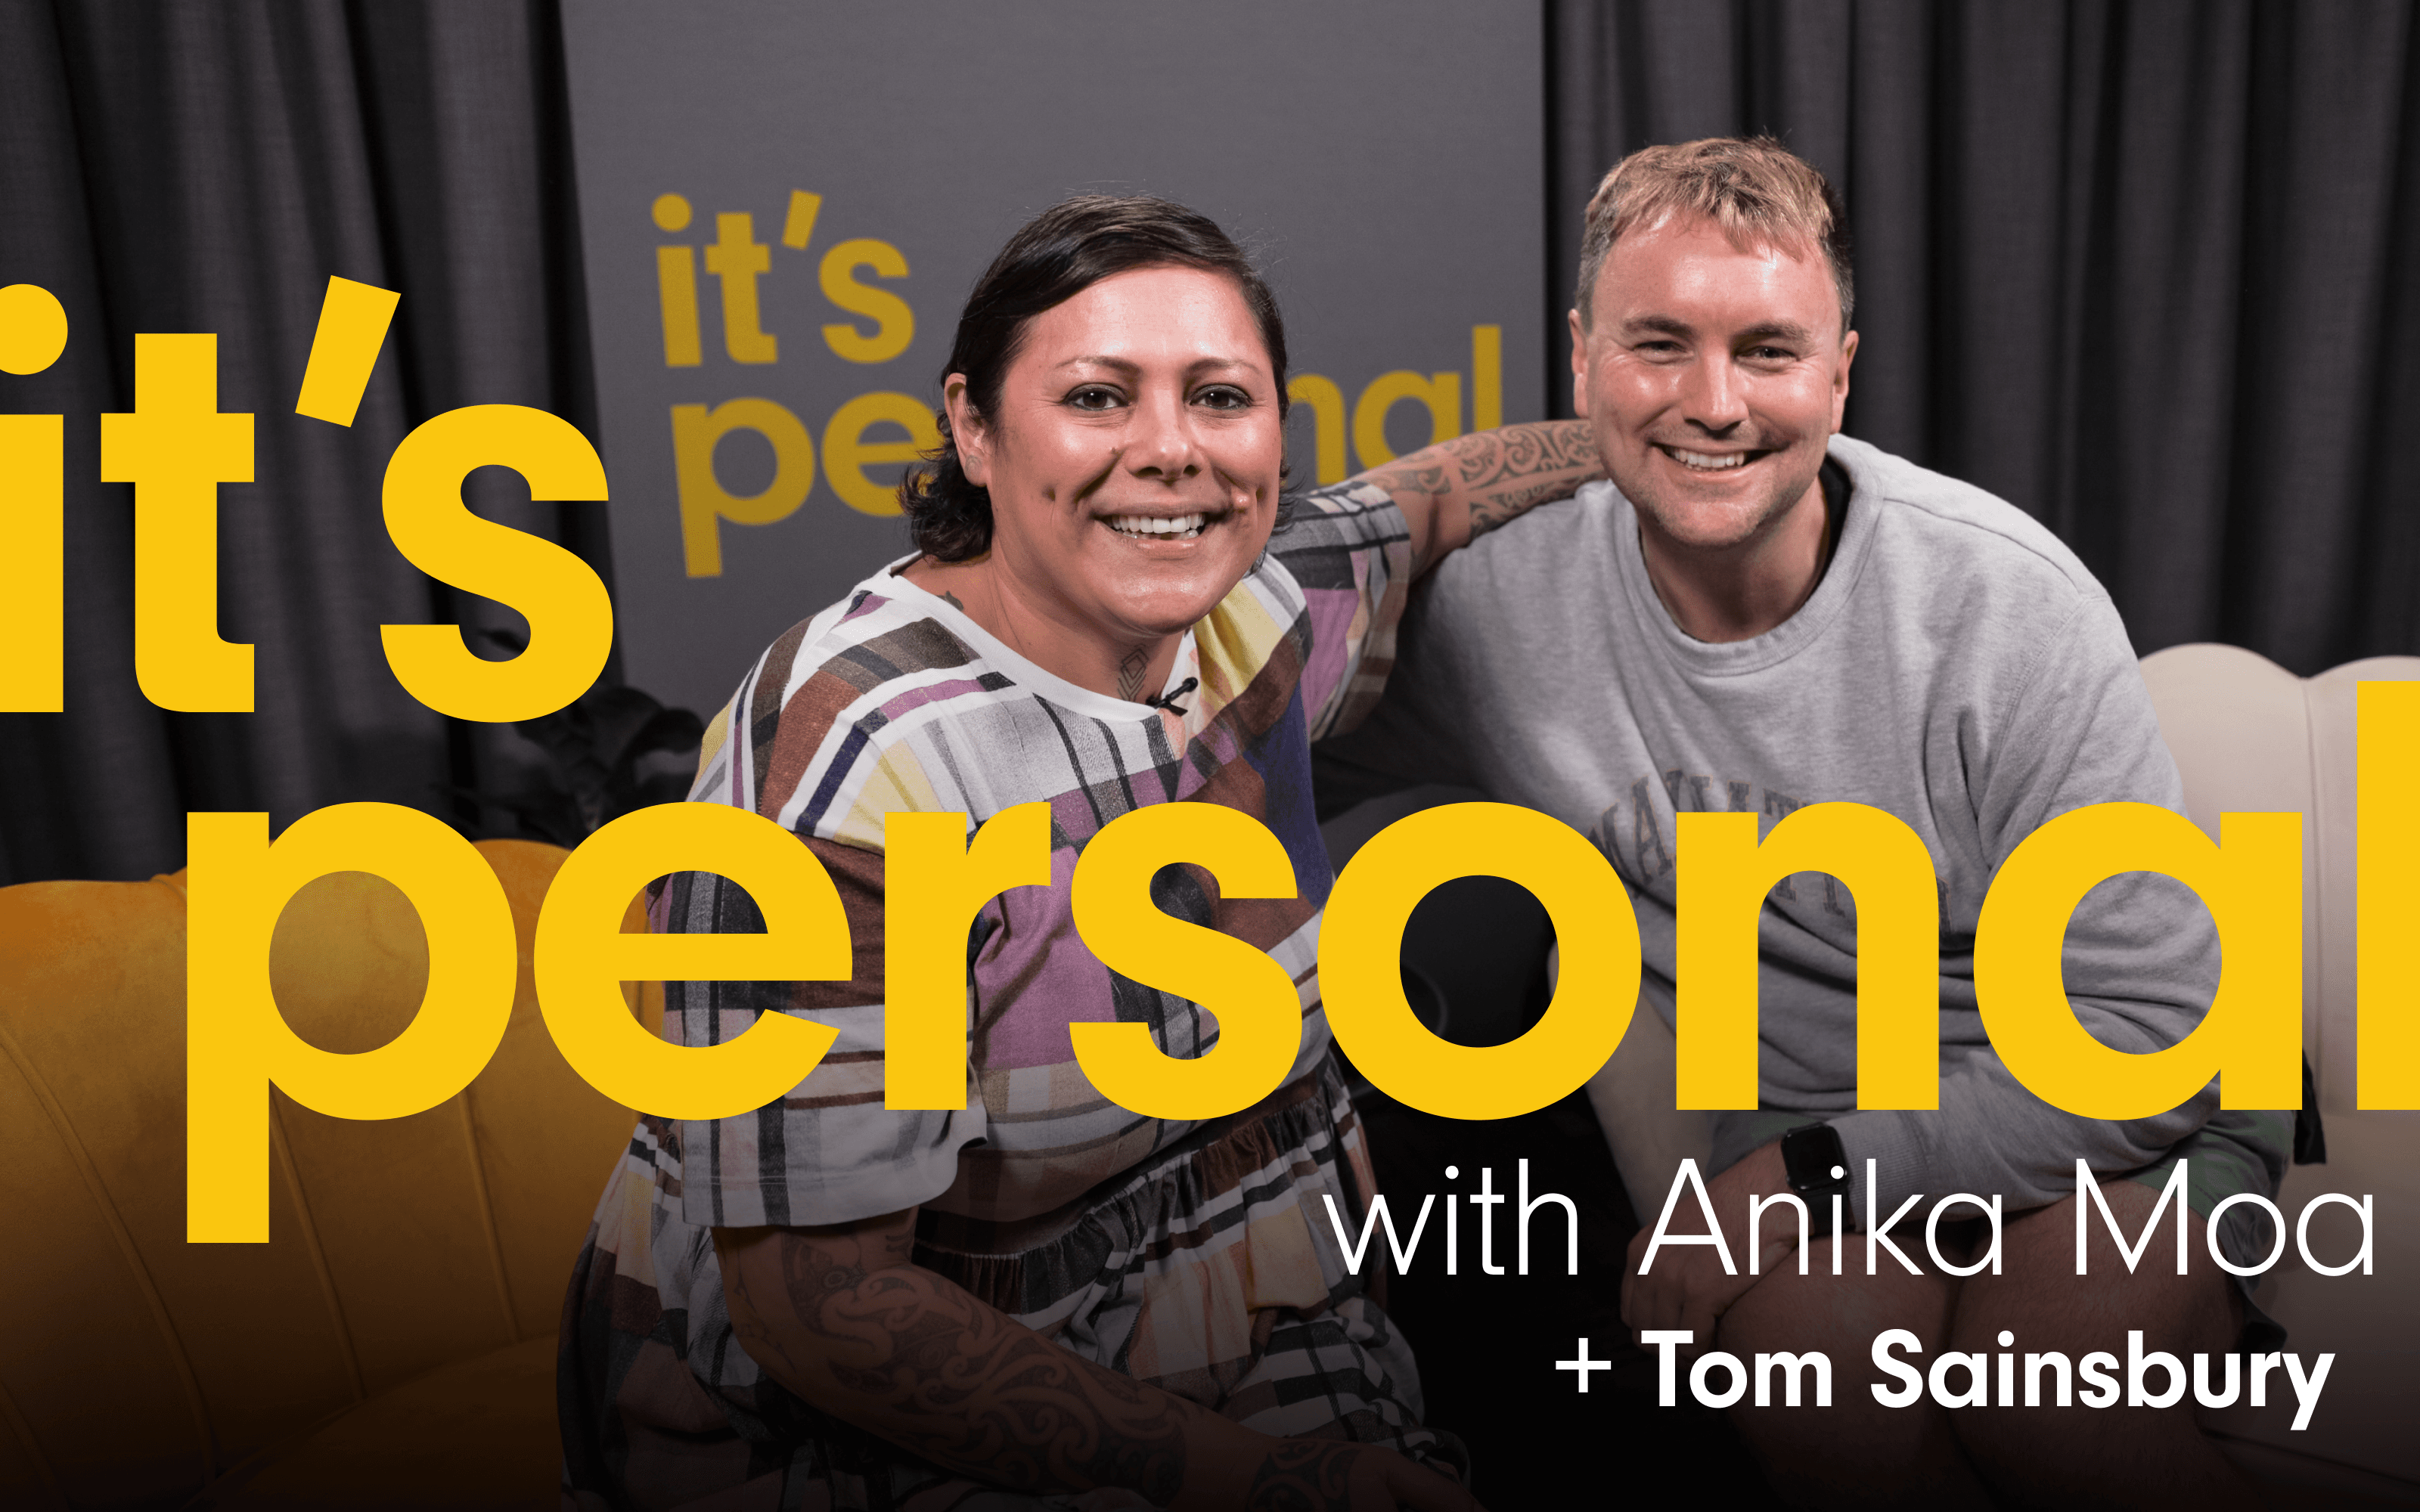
<point x="2146" y="270"/>
<point x="2142" y="269"/>
<point x="205" y="167"/>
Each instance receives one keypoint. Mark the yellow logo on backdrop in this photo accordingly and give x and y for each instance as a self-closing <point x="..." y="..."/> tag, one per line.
<point x="1439" y="393"/>
<point x="887" y="426"/>
<point x="883" y="426"/>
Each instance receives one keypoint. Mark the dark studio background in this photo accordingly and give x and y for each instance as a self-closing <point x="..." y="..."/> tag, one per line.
<point x="205" y="167"/>
<point x="2131" y="266"/>
<point x="2143" y="270"/>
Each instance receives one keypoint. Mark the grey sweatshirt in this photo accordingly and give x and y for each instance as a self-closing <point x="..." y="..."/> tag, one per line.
<point x="1957" y="667"/>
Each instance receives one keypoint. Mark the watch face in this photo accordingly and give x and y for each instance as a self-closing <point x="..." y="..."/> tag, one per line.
<point x="1813" y="1159"/>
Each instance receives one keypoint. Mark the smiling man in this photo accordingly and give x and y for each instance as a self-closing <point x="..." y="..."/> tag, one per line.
<point x="1756" y="613"/>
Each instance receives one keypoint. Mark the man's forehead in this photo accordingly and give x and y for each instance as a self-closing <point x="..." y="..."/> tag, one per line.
<point x="1660" y="271"/>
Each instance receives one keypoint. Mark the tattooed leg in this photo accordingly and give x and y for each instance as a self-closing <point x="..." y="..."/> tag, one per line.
<point x="843" y="1317"/>
<point x="846" y="1320"/>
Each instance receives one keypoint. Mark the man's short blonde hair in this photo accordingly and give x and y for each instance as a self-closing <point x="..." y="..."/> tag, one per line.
<point x="1759" y="192"/>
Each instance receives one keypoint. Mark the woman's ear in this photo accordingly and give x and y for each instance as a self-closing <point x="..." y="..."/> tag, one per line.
<point x="967" y="431"/>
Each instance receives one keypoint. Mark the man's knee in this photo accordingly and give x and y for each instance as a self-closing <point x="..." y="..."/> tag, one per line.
<point x="1837" y="1313"/>
<point x="2178" y="1298"/>
<point x="2049" y="1317"/>
<point x="1787" y="1323"/>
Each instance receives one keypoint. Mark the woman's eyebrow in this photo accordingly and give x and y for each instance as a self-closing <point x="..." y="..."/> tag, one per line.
<point x="1127" y="365"/>
<point x="1119" y="365"/>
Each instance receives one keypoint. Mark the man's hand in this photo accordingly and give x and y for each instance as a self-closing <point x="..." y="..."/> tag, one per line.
<point x="1687" y="1288"/>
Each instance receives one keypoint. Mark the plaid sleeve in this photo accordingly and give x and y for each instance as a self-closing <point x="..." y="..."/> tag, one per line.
<point x="828" y="1151"/>
<point x="1349" y="549"/>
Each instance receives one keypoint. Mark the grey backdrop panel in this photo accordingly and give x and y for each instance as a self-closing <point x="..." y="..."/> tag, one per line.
<point x="1383" y="161"/>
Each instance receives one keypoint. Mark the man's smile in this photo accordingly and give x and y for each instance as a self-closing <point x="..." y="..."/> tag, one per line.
<point x="1709" y="461"/>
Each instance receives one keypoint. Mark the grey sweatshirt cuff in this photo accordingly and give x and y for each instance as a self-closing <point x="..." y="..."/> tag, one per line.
<point x="1897" y="1151"/>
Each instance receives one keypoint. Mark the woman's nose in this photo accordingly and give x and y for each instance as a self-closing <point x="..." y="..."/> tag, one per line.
<point x="1161" y="441"/>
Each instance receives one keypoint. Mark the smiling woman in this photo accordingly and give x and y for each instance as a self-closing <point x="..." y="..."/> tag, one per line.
<point x="1112" y="464"/>
<point x="1043" y="1299"/>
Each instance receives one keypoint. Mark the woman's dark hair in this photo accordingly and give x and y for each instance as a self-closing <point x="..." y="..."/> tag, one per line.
<point x="1057" y="256"/>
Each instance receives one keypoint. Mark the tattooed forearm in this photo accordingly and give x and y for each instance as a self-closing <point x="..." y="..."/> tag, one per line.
<point x="843" y="1317"/>
<point x="1488" y="511"/>
<point x="1411" y="476"/>
<point x="1467" y="486"/>
<point x="1417" y="487"/>
<point x="1523" y="452"/>
<point x="1510" y="472"/>
<point x="1558" y="449"/>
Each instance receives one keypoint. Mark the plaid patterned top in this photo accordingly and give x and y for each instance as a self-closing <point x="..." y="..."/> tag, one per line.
<point x="1196" y="1256"/>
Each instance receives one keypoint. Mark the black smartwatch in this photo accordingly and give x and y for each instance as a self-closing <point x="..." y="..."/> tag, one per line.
<point x="1816" y="1165"/>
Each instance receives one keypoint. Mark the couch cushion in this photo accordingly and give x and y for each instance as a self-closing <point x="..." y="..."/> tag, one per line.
<point x="2248" y="734"/>
<point x="396" y="1248"/>
<point x="479" y="1434"/>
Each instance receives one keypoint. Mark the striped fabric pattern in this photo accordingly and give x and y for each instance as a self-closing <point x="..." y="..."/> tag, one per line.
<point x="1199" y="1257"/>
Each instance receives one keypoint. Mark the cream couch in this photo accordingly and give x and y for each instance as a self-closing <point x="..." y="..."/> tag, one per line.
<point x="2248" y="734"/>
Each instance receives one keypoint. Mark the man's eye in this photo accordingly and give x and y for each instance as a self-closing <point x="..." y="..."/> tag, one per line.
<point x="1771" y="354"/>
<point x="1223" y="396"/>
<point x="1095" y="396"/>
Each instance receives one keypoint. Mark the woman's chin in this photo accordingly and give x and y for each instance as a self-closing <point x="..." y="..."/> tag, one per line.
<point x="1166" y="607"/>
<point x="1170" y="616"/>
<point x="1173" y="593"/>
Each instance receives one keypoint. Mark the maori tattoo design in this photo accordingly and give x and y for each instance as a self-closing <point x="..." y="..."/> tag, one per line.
<point x="1304" y="1475"/>
<point x="925" y="1365"/>
<point x="1499" y="473"/>
<point x="1507" y="472"/>
<point x="1491" y="510"/>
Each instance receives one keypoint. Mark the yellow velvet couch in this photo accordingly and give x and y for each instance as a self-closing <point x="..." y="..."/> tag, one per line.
<point x="393" y="1345"/>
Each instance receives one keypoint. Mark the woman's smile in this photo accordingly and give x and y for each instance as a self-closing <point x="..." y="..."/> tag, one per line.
<point x="1133" y="462"/>
<point x="1157" y="527"/>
